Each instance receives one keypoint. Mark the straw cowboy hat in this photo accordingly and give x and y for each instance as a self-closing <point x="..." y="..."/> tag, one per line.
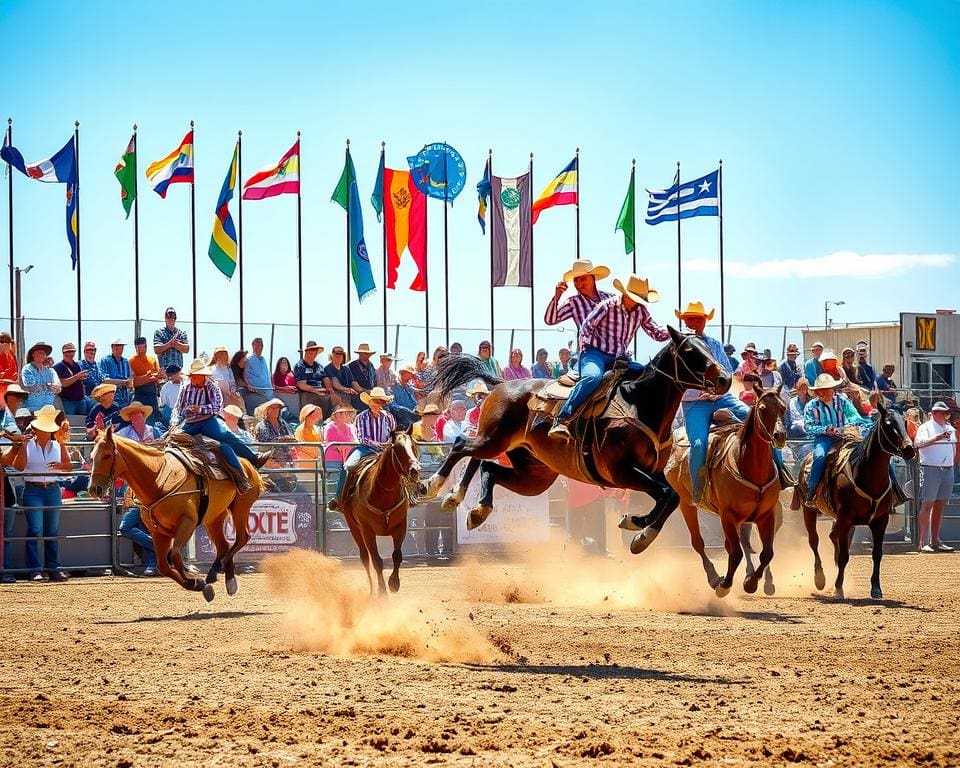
<point x="825" y="381"/>
<point x="233" y="410"/>
<point x="430" y="409"/>
<point x="478" y="388"/>
<point x="388" y="356"/>
<point x="638" y="289"/>
<point x="103" y="389"/>
<point x="47" y="349"/>
<point x="308" y="409"/>
<point x="136" y="407"/>
<point x="312" y="345"/>
<point x="343" y="408"/>
<point x="46" y="419"/>
<point x="16" y="389"/>
<point x="199" y="368"/>
<point x="694" y="309"/>
<point x="364" y="349"/>
<point x="261" y="410"/>
<point x="583" y="267"/>
<point x="377" y="393"/>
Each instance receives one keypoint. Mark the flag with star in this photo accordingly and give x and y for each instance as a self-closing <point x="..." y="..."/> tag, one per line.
<point x="700" y="197"/>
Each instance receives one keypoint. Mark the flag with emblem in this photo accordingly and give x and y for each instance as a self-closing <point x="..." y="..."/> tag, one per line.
<point x="223" y="242"/>
<point x="126" y="173"/>
<point x="347" y="196"/>
<point x="280" y="179"/>
<point x="512" y="230"/>
<point x="700" y="197"/>
<point x="404" y="207"/>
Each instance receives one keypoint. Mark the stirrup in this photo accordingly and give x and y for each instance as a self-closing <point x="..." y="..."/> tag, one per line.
<point x="262" y="458"/>
<point x="559" y="430"/>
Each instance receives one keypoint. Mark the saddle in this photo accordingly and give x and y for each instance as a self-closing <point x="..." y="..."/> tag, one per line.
<point x="199" y="455"/>
<point x="837" y="458"/>
<point x="718" y="451"/>
<point x="355" y="473"/>
<point x="548" y="400"/>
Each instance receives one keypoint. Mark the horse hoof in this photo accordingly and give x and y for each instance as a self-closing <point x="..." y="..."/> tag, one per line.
<point x="394" y="584"/>
<point x="643" y="540"/>
<point x="630" y="523"/>
<point x="232" y="585"/>
<point x="769" y="588"/>
<point x="208" y="592"/>
<point x="838" y="594"/>
<point x="477" y="517"/>
<point x="722" y="591"/>
<point x="876" y="593"/>
<point x="819" y="580"/>
<point x="212" y="577"/>
<point x="432" y="487"/>
<point x="714" y="582"/>
<point x="450" y="503"/>
<point x="750" y="585"/>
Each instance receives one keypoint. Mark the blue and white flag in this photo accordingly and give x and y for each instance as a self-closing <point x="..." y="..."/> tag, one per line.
<point x="61" y="168"/>
<point x="700" y="197"/>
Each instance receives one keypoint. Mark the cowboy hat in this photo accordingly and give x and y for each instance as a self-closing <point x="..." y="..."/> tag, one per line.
<point x="409" y="368"/>
<point x="825" y="381"/>
<point x="343" y="408"/>
<point x="793" y="348"/>
<point x="219" y="348"/>
<point x="199" y="368"/>
<point x="388" y="356"/>
<point x="430" y="409"/>
<point x="102" y="389"/>
<point x="69" y="347"/>
<point x="750" y="347"/>
<point x="377" y="393"/>
<point x="46" y="419"/>
<point x="261" y="410"/>
<point x="233" y="410"/>
<point x="815" y="345"/>
<point x="478" y="388"/>
<point x="135" y="407"/>
<point x="694" y="309"/>
<point x="847" y="350"/>
<point x="39" y="345"/>
<point x="828" y="354"/>
<point x="939" y="406"/>
<point x="118" y="342"/>
<point x="308" y="409"/>
<point x="638" y="289"/>
<point x="23" y="413"/>
<point x="16" y="389"/>
<point x="312" y="345"/>
<point x="583" y="267"/>
<point x="364" y="349"/>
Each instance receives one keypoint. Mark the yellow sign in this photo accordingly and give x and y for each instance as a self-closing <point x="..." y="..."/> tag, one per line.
<point x="927" y="333"/>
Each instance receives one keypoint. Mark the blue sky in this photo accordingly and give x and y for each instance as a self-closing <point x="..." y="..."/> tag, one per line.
<point x="836" y="123"/>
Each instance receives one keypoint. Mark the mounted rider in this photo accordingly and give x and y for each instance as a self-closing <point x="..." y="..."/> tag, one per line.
<point x="584" y="276"/>
<point x="605" y="336"/>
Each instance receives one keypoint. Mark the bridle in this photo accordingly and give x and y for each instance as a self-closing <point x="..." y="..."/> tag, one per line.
<point x="885" y="442"/>
<point x="700" y="380"/>
<point x="765" y="434"/>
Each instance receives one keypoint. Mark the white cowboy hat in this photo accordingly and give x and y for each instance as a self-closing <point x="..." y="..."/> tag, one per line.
<point x="825" y="381"/>
<point x="233" y="410"/>
<point x="638" y="289"/>
<point x="199" y="368"/>
<point x="828" y="354"/>
<point x="585" y="267"/>
<point x="308" y="409"/>
<point x="377" y="393"/>
<point x="478" y="388"/>
<point x="261" y="410"/>
<point x="45" y="419"/>
<point x="364" y="349"/>
<point x="137" y="406"/>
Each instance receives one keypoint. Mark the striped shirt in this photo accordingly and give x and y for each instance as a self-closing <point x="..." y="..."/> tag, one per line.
<point x="575" y="308"/>
<point x="39" y="382"/>
<point x="208" y="398"/>
<point x="374" y="430"/>
<point x="611" y="328"/>
<point x="819" y="416"/>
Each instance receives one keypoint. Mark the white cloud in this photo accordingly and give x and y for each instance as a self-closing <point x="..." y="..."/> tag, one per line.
<point x="839" y="264"/>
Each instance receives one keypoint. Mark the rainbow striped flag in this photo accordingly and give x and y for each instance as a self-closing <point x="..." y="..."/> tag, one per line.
<point x="561" y="191"/>
<point x="175" y="168"/>
<point x="280" y="179"/>
<point x="223" y="241"/>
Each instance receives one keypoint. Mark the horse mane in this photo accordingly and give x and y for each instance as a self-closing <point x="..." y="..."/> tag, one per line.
<point x="650" y="370"/>
<point x="457" y="370"/>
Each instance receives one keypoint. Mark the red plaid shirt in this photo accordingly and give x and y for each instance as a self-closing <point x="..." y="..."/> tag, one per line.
<point x="611" y="328"/>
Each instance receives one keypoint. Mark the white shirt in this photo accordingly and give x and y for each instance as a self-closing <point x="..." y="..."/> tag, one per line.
<point x="942" y="452"/>
<point x="454" y="429"/>
<point x="38" y="458"/>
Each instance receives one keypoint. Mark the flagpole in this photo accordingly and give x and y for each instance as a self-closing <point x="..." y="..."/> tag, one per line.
<point x="533" y="341"/>
<point x="490" y="237"/>
<point x="446" y="252"/>
<point x="720" y="195"/>
<point x="679" y="276"/>
<point x="300" y="249"/>
<point x="426" y="275"/>
<point x="13" y="319"/>
<point x="76" y="192"/>
<point x="578" y="204"/>
<point x="240" y="226"/>
<point x="633" y="196"/>
<point x="346" y="161"/>
<point x="136" y="240"/>
<point x="193" y="243"/>
<point x="383" y="164"/>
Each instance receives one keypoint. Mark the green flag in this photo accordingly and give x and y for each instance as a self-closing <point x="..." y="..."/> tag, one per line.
<point x="348" y="198"/>
<point x="626" y="222"/>
<point x="126" y="173"/>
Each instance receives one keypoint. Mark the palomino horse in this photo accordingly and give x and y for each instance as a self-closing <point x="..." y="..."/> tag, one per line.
<point x="629" y="452"/>
<point x="171" y="510"/>
<point x="374" y="501"/>
<point x="857" y="492"/>
<point x="742" y="487"/>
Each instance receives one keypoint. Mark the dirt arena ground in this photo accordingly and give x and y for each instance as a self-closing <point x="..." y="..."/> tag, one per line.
<point x="562" y="661"/>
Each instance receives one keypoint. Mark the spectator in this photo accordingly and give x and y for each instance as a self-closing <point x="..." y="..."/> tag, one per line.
<point x="105" y="412"/>
<point x="885" y="383"/>
<point x="912" y="421"/>
<point x="309" y="374"/>
<point x="36" y="458"/>
<point x="484" y="353"/>
<point x="868" y="376"/>
<point x="238" y="365"/>
<point x="801" y="396"/>
<point x="169" y="393"/>
<point x="542" y="369"/>
<point x="456" y="348"/>
<point x="146" y="377"/>
<point x="137" y="428"/>
<point x="516" y="369"/>
<point x="426" y="378"/>
<point x="170" y="343"/>
<point x="425" y="430"/>
<point x="789" y="369"/>
<point x="403" y="391"/>
<point x="283" y="379"/>
<point x="750" y="364"/>
<point x="420" y="365"/>
<point x="385" y="377"/>
<point x="11" y="400"/>
<point x="71" y="375"/>
<point x="731" y="352"/>
<point x="812" y="367"/>
<point x="767" y="371"/>
<point x="364" y="374"/>
<point x="41" y="382"/>
<point x="456" y="425"/>
<point x="339" y="430"/>
<point x="849" y="366"/>
<point x="115" y="369"/>
<point x="375" y="425"/>
<point x="223" y="376"/>
<point x="9" y="371"/>
<point x="479" y="392"/>
<point x="259" y="386"/>
<point x="232" y="417"/>
<point x="307" y="432"/>
<point x="91" y="367"/>
<point x="937" y="443"/>
<point x="338" y="379"/>
<point x="563" y="365"/>
<point x="272" y="429"/>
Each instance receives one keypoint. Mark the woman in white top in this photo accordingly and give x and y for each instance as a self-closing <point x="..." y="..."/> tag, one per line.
<point x="223" y="375"/>
<point x="42" y="452"/>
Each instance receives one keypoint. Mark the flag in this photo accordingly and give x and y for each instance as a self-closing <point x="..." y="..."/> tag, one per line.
<point x="126" y="173"/>
<point x="280" y="179"/>
<point x="223" y="241"/>
<point x="626" y="221"/>
<point x="561" y="191"/>
<point x="377" y="197"/>
<point x="73" y="227"/>
<point x="700" y="197"/>
<point x="347" y="196"/>
<point x="405" y="221"/>
<point x="483" y="195"/>
<point x="175" y="168"/>
<point x="512" y="231"/>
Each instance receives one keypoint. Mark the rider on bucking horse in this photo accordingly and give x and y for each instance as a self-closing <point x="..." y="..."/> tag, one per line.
<point x="577" y="307"/>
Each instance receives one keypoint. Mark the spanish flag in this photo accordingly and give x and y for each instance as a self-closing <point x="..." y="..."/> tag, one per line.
<point x="561" y="191"/>
<point x="405" y="212"/>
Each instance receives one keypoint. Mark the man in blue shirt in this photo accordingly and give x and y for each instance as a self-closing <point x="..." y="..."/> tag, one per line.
<point x="257" y="377"/>
<point x="868" y="376"/>
<point x="789" y="369"/>
<point x="115" y="369"/>
<point x="92" y="368"/>
<point x="813" y="368"/>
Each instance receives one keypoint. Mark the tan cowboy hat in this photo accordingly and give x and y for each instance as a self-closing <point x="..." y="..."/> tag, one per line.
<point x="199" y="368"/>
<point x="478" y="388"/>
<point x="585" y="267"/>
<point x="218" y="348"/>
<point x="377" y="393"/>
<point x="430" y="409"/>
<point x="694" y="309"/>
<point x="308" y="409"/>
<point x="825" y="381"/>
<point x="364" y="349"/>
<point x="312" y="345"/>
<point x="388" y="356"/>
<point x="409" y="368"/>
<point x="261" y="410"/>
<point x="46" y="419"/>
<point x="343" y="408"/>
<point x="102" y="389"/>
<point x="16" y="389"/>
<point x="233" y="410"/>
<point x="39" y="345"/>
<point x="136" y="407"/>
<point x="638" y="289"/>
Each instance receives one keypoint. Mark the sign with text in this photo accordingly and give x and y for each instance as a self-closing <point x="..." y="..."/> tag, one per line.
<point x="275" y="523"/>
<point x="515" y="519"/>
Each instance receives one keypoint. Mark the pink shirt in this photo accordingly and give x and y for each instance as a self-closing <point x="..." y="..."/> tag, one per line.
<point x="334" y="433"/>
<point x="516" y="372"/>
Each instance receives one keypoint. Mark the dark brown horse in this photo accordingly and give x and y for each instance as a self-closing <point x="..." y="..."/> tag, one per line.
<point x="374" y="502"/>
<point x="857" y="491"/>
<point x="742" y="487"/>
<point x="630" y="452"/>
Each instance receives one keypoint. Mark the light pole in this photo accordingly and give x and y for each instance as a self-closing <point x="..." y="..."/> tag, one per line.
<point x="18" y="310"/>
<point x="826" y="311"/>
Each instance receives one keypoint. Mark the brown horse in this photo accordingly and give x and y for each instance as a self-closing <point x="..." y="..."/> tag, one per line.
<point x="629" y="452"/>
<point x="743" y="487"/>
<point x="857" y="491"/>
<point x="374" y="501"/>
<point x="170" y="502"/>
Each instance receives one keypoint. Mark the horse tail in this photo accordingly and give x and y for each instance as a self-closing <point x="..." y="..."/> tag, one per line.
<point x="458" y="370"/>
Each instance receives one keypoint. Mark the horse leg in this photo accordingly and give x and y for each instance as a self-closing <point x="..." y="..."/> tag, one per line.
<point x="813" y="538"/>
<point x="766" y="526"/>
<point x="355" y="531"/>
<point x="690" y="517"/>
<point x="185" y="529"/>
<point x="161" y="546"/>
<point x="483" y="446"/>
<point x="399" y="533"/>
<point x="878" y="527"/>
<point x="731" y="542"/>
<point x="840" y="534"/>
<point x="747" y="547"/>
<point x="240" y="514"/>
<point x="666" y="501"/>
<point x="527" y="477"/>
<point x="370" y="539"/>
<point x="768" y="586"/>
<point x="453" y="499"/>
<point x="219" y="540"/>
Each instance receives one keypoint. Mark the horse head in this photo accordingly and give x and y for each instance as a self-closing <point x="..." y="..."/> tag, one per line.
<point x="102" y="463"/>
<point x="406" y="454"/>
<point x="892" y="433"/>
<point x="768" y="412"/>
<point x="694" y="366"/>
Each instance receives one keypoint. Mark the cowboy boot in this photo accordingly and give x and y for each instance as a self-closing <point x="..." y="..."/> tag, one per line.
<point x="899" y="493"/>
<point x="787" y="480"/>
<point x="559" y="430"/>
<point x="262" y="458"/>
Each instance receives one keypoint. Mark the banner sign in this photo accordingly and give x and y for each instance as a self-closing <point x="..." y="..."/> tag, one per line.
<point x="515" y="519"/>
<point x="276" y="524"/>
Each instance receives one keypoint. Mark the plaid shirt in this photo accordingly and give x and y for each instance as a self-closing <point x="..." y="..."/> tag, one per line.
<point x="610" y="327"/>
<point x="94" y="376"/>
<point x="575" y="308"/>
<point x="386" y="378"/>
<point x="172" y="356"/>
<point x="374" y="430"/>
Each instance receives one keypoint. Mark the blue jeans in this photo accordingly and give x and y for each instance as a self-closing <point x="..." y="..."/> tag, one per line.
<point x="593" y="364"/>
<point x="132" y="527"/>
<point x="45" y="520"/>
<point x="697" y="415"/>
<point x="9" y="518"/>
<point x="75" y="407"/>
<point x="352" y="458"/>
<point x="231" y="446"/>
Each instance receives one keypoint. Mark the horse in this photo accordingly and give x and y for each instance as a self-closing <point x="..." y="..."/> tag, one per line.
<point x="170" y="500"/>
<point x="742" y="487"/>
<point x="857" y="491"/>
<point x="374" y="502"/>
<point x="629" y="451"/>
